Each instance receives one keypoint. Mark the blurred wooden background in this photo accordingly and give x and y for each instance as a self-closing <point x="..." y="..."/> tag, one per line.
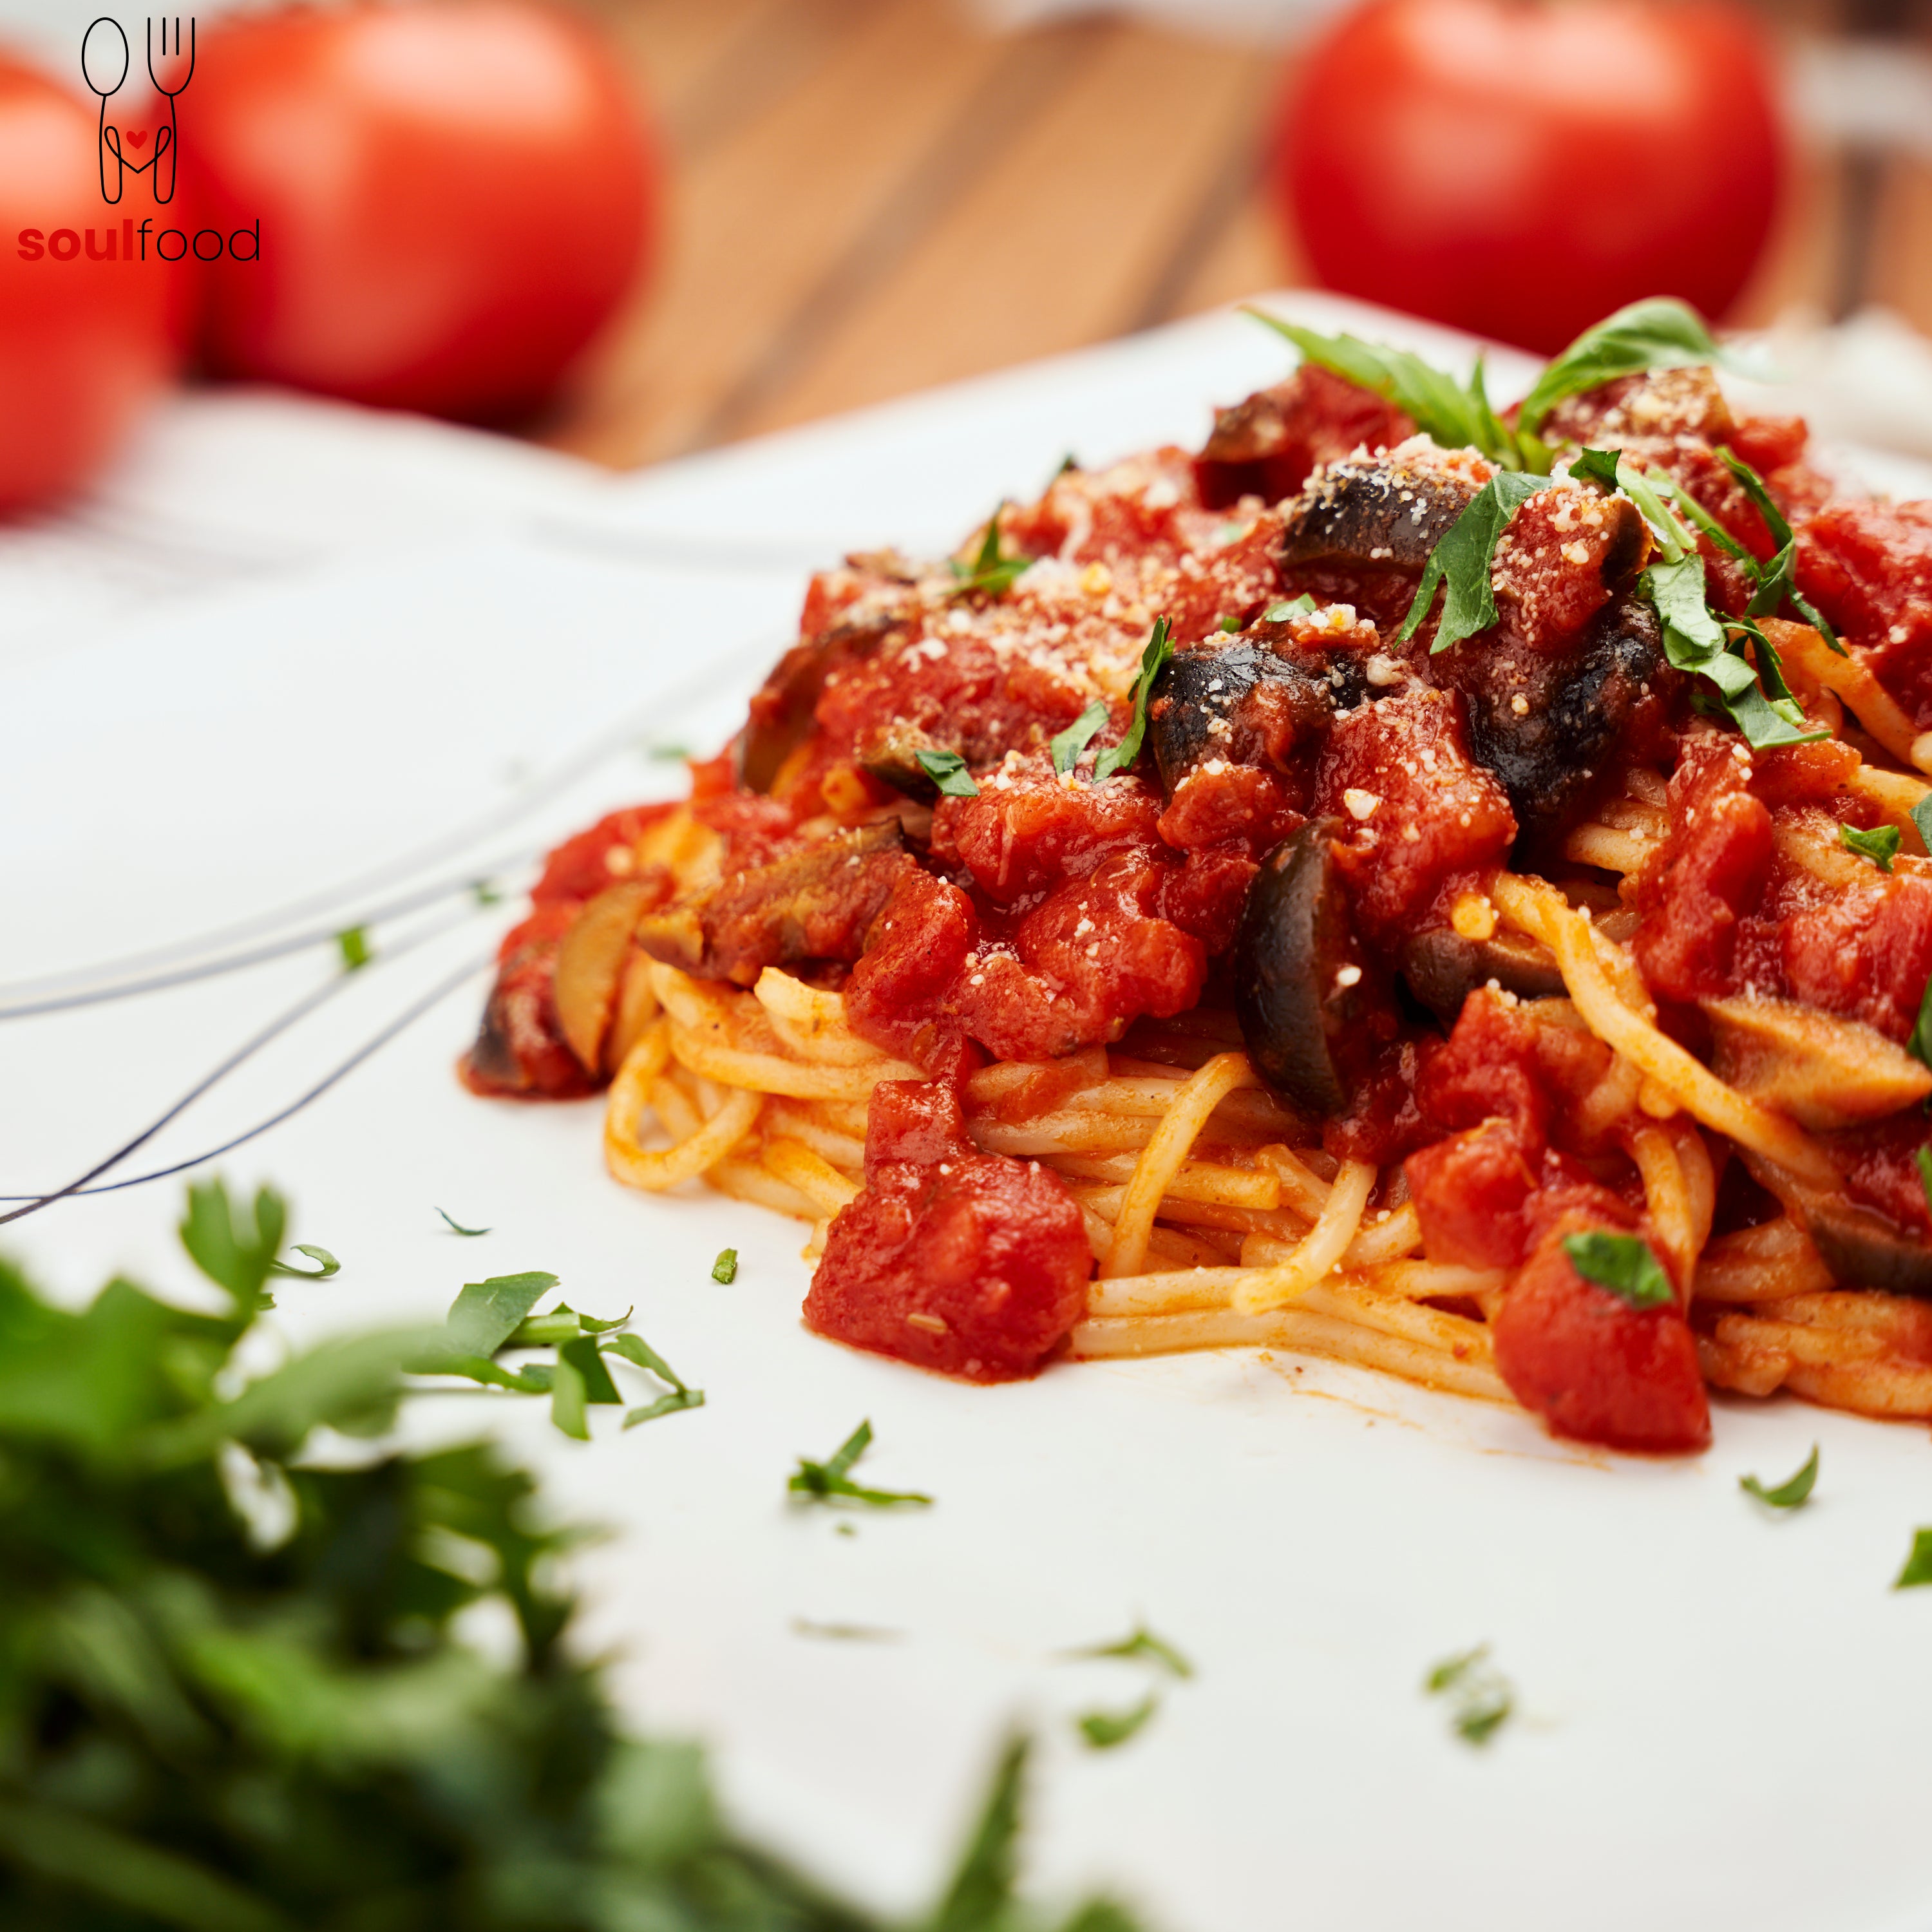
<point x="867" y="196"/>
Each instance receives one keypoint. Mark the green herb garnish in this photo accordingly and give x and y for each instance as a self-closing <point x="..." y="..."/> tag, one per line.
<point x="992" y="573"/>
<point x="1159" y="648"/>
<point x="1695" y="639"/>
<point x="1660" y="333"/>
<point x="458" y="1228"/>
<point x="1880" y="845"/>
<point x="1457" y="415"/>
<point x="831" y="1481"/>
<point x="1103" y="1729"/>
<point x="947" y="770"/>
<point x="493" y="1317"/>
<point x="1481" y="1697"/>
<point x="668" y="754"/>
<point x="1462" y="558"/>
<point x="353" y="943"/>
<point x="1924" y="1159"/>
<point x="725" y="1267"/>
<point x="1777" y="581"/>
<point x="237" y="1694"/>
<point x="845" y="1633"/>
<point x="1918" y="1565"/>
<point x="1066" y="746"/>
<point x="1304" y="606"/>
<point x="1141" y="1644"/>
<point x="485" y="893"/>
<point x="1790" y="1494"/>
<point x="1624" y="1264"/>
<point x="325" y="1264"/>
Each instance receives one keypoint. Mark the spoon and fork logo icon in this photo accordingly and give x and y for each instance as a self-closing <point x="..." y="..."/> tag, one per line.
<point x="104" y="60"/>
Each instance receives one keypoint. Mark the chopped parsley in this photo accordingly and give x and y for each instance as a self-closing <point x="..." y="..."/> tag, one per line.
<point x="1919" y="1564"/>
<point x="947" y="770"/>
<point x="1462" y="561"/>
<point x="1103" y="1729"/>
<point x="1624" y="1264"/>
<point x="1660" y="333"/>
<point x="992" y="573"/>
<point x="1141" y="1644"/>
<point x="1880" y="845"/>
<point x="457" y="1227"/>
<point x="240" y="1695"/>
<point x="725" y="1267"/>
<point x="1159" y="648"/>
<point x="1285" y="612"/>
<point x="1792" y="1493"/>
<point x="325" y="1264"/>
<point x="1067" y="745"/>
<point x="353" y="943"/>
<point x="1481" y="1698"/>
<point x="493" y="1318"/>
<point x="831" y="1481"/>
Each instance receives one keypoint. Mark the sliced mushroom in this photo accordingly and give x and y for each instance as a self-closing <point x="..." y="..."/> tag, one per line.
<point x="1383" y="513"/>
<point x="1862" y="1247"/>
<point x="1302" y="987"/>
<point x="1821" y="1071"/>
<point x="781" y="712"/>
<point x="1442" y="969"/>
<point x="812" y="905"/>
<point x="590" y="964"/>
<point x="1550" y="727"/>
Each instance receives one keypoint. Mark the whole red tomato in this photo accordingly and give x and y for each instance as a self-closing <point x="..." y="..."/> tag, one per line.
<point x="85" y="342"/>
<point x="450" y="199"/>
<point x="1521" y="168"/>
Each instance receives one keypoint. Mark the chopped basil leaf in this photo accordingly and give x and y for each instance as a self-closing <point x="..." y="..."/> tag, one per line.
<point x="1791" y="1492"/>
<point x="353" y="942"/>
<point x="1067" y="745"/>
<point x="992" y="573"/>
<point x="1924" y="1158"/>
<point x="326" y="1264"/>
<point x="1457" y="417"/>
<point x="1232" y="625"/>
<point x="947" y="770"/>
<point x="831" y="1481"/>
<point x="234" y="1246"/>
<point x="1462" y="561"/>
<point x="1778" y="580"/>
<point x="1921" y="817"/>
<point x="1918" y="1565"/>
<point x="1660" y="333"/>
<point x="1608" y="467"/>
<point x="725" y="1267"/>
<point x="1624" y="1264"/>
<point x="1142" y="1643"/>
<point x="1880" y="845"/>
<point x="1103" y="1729"/>
<point x="1159" y="648"/>
<point x="1304" y="606"/>
<point x="1481" y="1697"/>
<point x="457" y="1227"/>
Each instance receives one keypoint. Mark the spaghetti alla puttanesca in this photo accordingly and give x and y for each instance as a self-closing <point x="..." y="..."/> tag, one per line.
<point x="1383" y="990"/>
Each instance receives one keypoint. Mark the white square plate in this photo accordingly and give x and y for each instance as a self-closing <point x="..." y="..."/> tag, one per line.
<point x="1721" y="1714"/>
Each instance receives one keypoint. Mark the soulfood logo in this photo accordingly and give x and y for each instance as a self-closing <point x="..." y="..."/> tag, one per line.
<point x="125" y="151"/>
<point x="104" y="66"/>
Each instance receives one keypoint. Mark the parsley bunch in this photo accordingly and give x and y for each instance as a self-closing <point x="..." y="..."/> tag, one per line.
<point x="232" y="1696"/>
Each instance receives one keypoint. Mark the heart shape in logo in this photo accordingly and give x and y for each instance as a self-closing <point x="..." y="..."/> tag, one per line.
<point x="138" y="135"/>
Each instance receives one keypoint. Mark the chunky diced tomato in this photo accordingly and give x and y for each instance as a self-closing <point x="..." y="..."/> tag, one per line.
<point x="1590" y="1365"/>
<point x="970" y="1263"/>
